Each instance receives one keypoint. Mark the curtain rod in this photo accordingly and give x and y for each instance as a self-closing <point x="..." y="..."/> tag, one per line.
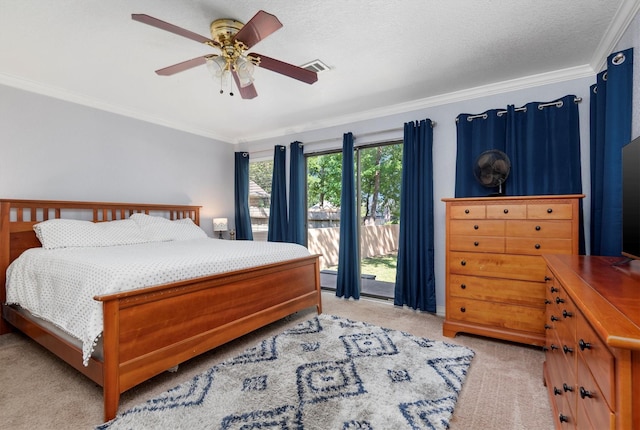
<point x="541" y="106"/>
<point x="332" y="139"/>
<point x="371" y="133"/>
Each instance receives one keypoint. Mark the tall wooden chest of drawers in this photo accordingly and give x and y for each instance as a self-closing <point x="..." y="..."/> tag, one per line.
<point x="592" y="366"/>
<point x="495" y="273"/>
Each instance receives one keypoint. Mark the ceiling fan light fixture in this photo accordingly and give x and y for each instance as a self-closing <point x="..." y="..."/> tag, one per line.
<point x="244" y="68"/>
<point x="219" y="69"/>
<point x="216" y="66"/>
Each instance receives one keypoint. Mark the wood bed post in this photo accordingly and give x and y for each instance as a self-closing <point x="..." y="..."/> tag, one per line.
<point x="111" y="360"/>
<point x="5" y="249"/>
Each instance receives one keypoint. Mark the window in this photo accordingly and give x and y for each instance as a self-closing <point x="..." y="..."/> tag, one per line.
<point x="260" y="174"/>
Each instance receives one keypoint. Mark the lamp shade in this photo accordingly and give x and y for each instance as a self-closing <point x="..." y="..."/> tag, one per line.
<point x="220" y="224"/>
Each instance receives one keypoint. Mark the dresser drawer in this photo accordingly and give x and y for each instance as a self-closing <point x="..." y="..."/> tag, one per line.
<point x="492" y="289"/>
<point x="592" y="406"/>
<point x="597" y="358"/>
<point x="477" y="227"/>
<point x="523" y="267"/>
<point x="502" y="315"/>
<point x="507" y="211"/>
<point x="467" y="211"/>
<point x="549" y="210"/>
<point x="538" y="246"/>
<point x="477" y="243"/>
<point x="557" y="383"/>
<point x="552" y="229"/>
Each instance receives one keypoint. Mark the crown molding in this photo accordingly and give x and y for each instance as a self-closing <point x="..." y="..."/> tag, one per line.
<point x="61" y="94"/>
<point x="619" y="24"/>
<point x="457" y="96"/>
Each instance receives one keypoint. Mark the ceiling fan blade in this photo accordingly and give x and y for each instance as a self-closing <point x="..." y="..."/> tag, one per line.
<point x="181" y="67"/>
<point x="259" y="27"/>
<point x="247" y="92"/>
<point x="286" y="69"/>
<point x="146" y="19"/>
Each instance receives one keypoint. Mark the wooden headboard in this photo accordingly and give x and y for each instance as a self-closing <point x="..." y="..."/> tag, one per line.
<point x="17" y="218"/>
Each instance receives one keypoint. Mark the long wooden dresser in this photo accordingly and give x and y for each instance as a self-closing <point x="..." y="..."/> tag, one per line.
<point x="495" y="273"/>
<point x="592" y="367"/>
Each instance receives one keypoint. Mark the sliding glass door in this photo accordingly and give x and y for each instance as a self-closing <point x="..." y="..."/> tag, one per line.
<point x="378" y="170"/>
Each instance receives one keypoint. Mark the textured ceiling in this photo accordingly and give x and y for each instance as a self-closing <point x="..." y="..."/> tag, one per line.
<point x="385" y="56"/>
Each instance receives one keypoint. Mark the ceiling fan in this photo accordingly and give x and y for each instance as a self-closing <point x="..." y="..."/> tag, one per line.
<point x="233" y="38"/>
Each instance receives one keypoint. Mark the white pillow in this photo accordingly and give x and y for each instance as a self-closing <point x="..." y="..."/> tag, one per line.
<point x="159" y="229"/>
<point x="66" y="233"/>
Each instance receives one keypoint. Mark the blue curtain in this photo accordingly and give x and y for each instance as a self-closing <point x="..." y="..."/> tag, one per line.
<point x="297" y="182"/>
<point x="543" y="143"/>
<point x="476" y="134"/>
<point x="278" y="224"/>
<point x="348" y="280"/>
<point x="241" y="195"/>
<point x="415" y="275"/>
<point x="610" y="130"/>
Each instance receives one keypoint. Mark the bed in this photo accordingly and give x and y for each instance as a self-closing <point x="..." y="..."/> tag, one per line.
<point x="198" y="314"/>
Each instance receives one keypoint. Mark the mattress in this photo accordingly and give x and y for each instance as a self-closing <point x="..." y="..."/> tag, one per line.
<point x="58" y="285"/>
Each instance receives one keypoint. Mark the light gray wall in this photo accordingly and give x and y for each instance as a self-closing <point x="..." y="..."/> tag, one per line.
<point x="444" y="146"/>
<point x="52" y="149"/>
<point x="631" y="39"/>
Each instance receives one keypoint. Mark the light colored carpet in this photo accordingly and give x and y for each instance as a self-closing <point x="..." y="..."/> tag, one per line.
<point x="325" y="373"/>
<point x="503" y="389"/>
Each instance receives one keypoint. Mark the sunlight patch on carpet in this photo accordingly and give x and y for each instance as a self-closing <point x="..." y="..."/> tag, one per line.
<point x="324" y="373"/>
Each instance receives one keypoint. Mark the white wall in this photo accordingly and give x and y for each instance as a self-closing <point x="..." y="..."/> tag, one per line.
<point x="444" y="146"/>
<point x="52" y="149"/>
<point x="631" y="39"/>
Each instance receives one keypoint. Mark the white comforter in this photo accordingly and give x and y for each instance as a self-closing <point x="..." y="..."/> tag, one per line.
<point x="59" y="284"/>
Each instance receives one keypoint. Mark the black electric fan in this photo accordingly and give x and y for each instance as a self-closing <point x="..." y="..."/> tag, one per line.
<point x="491" y="169"/>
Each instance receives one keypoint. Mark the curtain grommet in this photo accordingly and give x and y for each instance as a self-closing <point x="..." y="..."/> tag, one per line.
<point x="618" y="59"/>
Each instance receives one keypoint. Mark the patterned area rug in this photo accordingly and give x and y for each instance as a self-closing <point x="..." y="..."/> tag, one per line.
<point x="325" y="373"/>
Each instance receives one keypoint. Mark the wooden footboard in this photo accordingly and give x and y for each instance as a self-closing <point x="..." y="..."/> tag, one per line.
<point x="150" y="330"/>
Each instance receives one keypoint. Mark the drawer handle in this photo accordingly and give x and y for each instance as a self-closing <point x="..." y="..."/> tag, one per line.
<point x="466" y="211"/>
<point x="463" y="309"/>
<point x="546" y="278"/>
<point x="554" y="290"/>
<point x="537" y="228"/>
<point x="566" y="388"/>
<point x="563" y="418"/>
<point x="463" y="263"/>
<point x="549" y="210"/>
<point x="559" y="300"/>
<point x="584" y="393"/>
<point x="475" y="227"/>
<point x="557" y="391"/>
<point x="567" y="350"/>
<point x="537" y="246"/>
<point x="567" y="314"/>
<point x="553" y="347"/>
<point x="506" y="211"/>
<point x="547" y="327"/>
<point x="476" y="243"/>
<point x="547" y="302"/>
<point x="463" y="286"/>
<point x="554" y="318"/>
<point x="584" y="345"/>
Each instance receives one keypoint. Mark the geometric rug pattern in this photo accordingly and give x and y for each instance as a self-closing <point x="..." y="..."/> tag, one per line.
<point x="325" y="373"/>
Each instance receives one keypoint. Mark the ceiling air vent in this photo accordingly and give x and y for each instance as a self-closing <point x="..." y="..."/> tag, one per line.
<point x="316" y="66"/>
